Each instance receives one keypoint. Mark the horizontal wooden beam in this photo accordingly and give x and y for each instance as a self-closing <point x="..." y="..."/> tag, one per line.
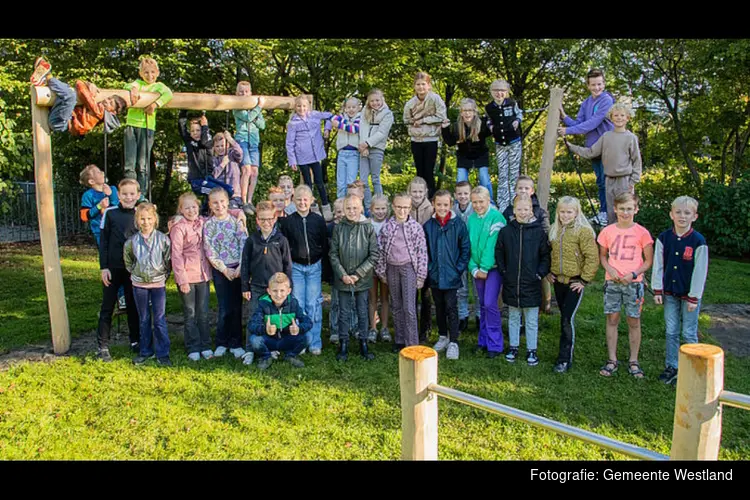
<point x="44" y="97"/>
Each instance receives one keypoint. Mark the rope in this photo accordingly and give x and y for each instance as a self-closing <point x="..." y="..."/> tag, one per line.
<point x="580" y="176"/>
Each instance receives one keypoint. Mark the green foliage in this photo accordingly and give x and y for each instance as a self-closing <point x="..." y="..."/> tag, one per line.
<point x="725" y="217"/>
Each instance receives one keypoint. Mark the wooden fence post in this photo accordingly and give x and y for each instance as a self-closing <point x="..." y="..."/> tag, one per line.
<point x="45" y="201"/>
<point x="417" y="368"/>
<point x="697" y="412"/>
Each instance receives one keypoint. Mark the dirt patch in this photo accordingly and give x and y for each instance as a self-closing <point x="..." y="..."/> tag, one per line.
<point x="730" y="326"/>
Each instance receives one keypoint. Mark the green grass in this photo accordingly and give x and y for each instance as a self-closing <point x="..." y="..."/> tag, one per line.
<point x="80" y="408"/>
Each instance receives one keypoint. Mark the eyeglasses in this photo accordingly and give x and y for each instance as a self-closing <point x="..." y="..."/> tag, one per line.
<point x="266" y="220"/>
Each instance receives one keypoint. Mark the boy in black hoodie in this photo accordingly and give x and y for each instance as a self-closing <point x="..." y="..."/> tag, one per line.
<point x="522" y="254"/>
<point x="118" y="224"/>
<point x="525" y="185"/>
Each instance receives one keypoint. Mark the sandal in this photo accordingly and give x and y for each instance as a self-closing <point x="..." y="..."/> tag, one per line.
<point x="635" y="370"/>
<point x="609" y="368"/>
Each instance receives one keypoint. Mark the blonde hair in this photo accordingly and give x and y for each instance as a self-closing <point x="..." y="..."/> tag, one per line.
<point x="86" y="174"/>
<point x="353" y="197"/>
<point x="338" y="203"/>
<point x="369" y="112"/>
<point x="685" y="201"/>
<point x="623" y="106"/>
<point x="303" y="187"/>
<point x="264" y="206"/>
<point x="500" y="83"/>
<point x="351" y="99"/>
<point x="417" y="180"/>
<point x="184" y="197"/>
<point x="274" y="190"/>
<point x="476" y="123"/>
<point x="481" y="191"/>
<point x="223" y="137"/>
<point x="146" y="207"/>
<point x="579" y="222"/>
<point x="522" y="197"/>
<point x="626" y="197"/>
<point x="243" y="83"/>
<point x="218" y="190"/>
<point x="380" y="198"/>
<point x="129" y="182"/>
<point x="279" y="279"/>
<point x="285" y="178"/>
<point x="148" y="61"/>
<point x="423" y="75"/>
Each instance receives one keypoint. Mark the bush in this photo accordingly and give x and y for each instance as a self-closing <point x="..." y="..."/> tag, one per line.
<point x="725" y="217"/>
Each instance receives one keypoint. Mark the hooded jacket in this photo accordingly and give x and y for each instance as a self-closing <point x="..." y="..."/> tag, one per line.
<point x="522" y="254"/>
<point x="375" y="132"/>
<point x="304" y="140"/>
<point x="200" y="162"/>
<point x="307" y="236"/>
<point x="229" y="174"/>
<point x="423" y="212"/>
<point x="148" y="260"/>
<point x="354" y="251"/>
<point x="448" y="249"/>
<point x="537" y="209"/>
<point x="416" y="245"/>
<point x="591" y="119"/>
<point x="282" y="317"/>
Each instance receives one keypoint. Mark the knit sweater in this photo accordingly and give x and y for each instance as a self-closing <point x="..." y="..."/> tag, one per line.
<point x="591" y="119"/>
<point x="223" y="240"/>
<point x="348" y="131"/>
<point x="620" y="154"/>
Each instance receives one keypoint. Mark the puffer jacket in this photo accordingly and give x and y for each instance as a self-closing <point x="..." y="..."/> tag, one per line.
<point x="148" y="261"/>
<point x="431" y="112"/>
<point x="282" y="317"/>
<point x="448" y="249"/>
<point x="522" y="254"/>
<point x="416" y="245"/>
<point x="375" y="132"/>
<point x="537" y="210"/>
<point x="575" y="255"/>
<point x="354" y="250"/>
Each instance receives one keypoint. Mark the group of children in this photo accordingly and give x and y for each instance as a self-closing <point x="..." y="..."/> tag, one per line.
<point x="427" y="248"/>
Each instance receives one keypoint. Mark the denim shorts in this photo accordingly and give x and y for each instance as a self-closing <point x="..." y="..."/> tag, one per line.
<point x="615" y="294"/>
<point x="250" y="154"/>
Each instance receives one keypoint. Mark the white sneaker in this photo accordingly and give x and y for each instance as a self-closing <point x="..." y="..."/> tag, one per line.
<point x="315" y="352"/>
<point x="441" y="344"/>
<point x="247" y="358"/>
<point x="304" y="350"/>
<point x="275" y="354"/>
<point x="238" y="352"/>
<point x="207" y="354"/>
<point x="603" y="219"/>
<point x="220" y="351"/>
<point x="452" y="352"/>
<point x="194" y="356"/>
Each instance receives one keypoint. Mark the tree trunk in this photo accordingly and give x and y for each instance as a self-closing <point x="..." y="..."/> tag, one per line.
<point x="167" y="179"/>
<point x="736" y="160"/>
<point x="724" y="155"/>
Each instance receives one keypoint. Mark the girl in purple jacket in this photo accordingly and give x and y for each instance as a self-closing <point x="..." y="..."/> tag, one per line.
<point x="305" y="149"/>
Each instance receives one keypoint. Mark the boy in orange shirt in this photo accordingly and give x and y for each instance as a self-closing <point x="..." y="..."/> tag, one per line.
<point x="626" y="250"/>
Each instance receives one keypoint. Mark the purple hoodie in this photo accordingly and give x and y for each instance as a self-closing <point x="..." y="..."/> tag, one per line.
<point x="592" y="118"/>
<point x="304" y="140"/>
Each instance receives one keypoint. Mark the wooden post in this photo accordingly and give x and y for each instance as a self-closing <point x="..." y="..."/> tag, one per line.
<point x="417" y="368"/>
<point x="58" y="311"/>
<point x="697" y="412"/>
<point x="545" y="172"/>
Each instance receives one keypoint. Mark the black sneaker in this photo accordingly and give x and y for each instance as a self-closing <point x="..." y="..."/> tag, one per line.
<point x="164" y="361"/>
<point x="141" y="359"/>
<point x="476" y="318"/>
<point x="512" y="354"/>
<point x="562" y="367"/>
<point x="463" y="324"/>
<point x="135" y="347"/>
<point x="532" y="359"/>
<point x="104" y="355"/>
<point x="264" y="363"/>
<point x="669" y="375"/>
<point x="295" y="362"/>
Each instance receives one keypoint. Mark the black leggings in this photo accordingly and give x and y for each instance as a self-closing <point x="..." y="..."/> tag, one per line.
<point x="120" y="277"/>
<point x="446" y="310"/>
<point x="425" y="155"/>
<point x="318" y="173"/>
<point x="568" y="301"/>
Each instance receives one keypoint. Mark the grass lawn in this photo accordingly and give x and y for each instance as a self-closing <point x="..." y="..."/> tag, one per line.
<point x="80" y="408"/>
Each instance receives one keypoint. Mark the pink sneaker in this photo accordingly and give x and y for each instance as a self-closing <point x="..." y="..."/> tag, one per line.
<point x="41" y="70"/>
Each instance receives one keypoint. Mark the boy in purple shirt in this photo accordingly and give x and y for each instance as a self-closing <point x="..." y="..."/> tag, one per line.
<point x="592" y="120"/>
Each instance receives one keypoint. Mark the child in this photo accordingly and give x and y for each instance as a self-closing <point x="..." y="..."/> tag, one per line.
<point x="198" y="145"/>
<point x="308" y="244"/>
<point x="484" y="226"/>
<point x="402" y="265"/>
<point x="277" y="324"/>
<point x="620" y="156"/>
<point x="470" y="133"/>
<point x="141" y="122"/>
<point x="347" y="142"/>
<point x="522" y="256"/>
<point x="421" y="211"/>
<point x="223" y="240"/>
<point x="227" y="155"/>
<point x="463" y="209"/>
<point x="96" y="199"/>
<point x="248" y="124"/>
<point x="448" y="249"/>
<point x="66" y="114"/>
<point x="118" y="224"/>
<point x="424" y="114"/>
<point x="354" y="252"/>
<point x="678" y="279"/>
<point x="286" y="183"/>
<point x="358" y="188"/>
<point x="525" y="185"/>
<point x="504" y="120"/>
<point x="192" y="273"/>
<point x="147" y="257"/>
<point x="278" y="199"/>
<point x="575" y="261"/>
<point x="305" y="149"/>
<point x="379" y="212"/>
<point x="374" y="128"/>
<point x="626" y="251"/>
<point x="333" y="312"/>
<point x="592" y="120"/>
<point x="265" y="253"/>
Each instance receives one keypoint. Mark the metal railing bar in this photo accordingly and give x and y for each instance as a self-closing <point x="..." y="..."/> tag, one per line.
<point x="735" y="399"/>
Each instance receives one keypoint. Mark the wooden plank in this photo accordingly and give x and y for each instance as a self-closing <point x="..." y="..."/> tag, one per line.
<point x="417" y="368"/>
<point x="58" y="311"/>
<point x="550" y="145"/>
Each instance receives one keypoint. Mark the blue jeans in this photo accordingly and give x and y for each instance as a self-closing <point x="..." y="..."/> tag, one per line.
<point x="138" y="144"/>
<point x="531" y="319"/>
<point x="159" y="340"/>
<point x="600" y="184"/>
<point x="484" y="178"/>
<point x="229" y="319"/>
<point x="307" y="290"/>
<point x="250" y="154"/>
<point x="347" y="168"/>
<point x="676" y="312"/>
<point x="370" y="166"/>
<point x="290" y="345"/>
<point x="62" y="109"/>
